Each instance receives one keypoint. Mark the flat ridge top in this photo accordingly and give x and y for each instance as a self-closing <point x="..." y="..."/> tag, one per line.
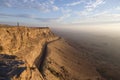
<point x="10" y="26"/>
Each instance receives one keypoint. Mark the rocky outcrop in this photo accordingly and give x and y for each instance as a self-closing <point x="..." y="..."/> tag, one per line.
<point x="27" y="44"/>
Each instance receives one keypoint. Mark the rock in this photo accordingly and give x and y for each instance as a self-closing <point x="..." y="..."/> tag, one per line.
<point x="26" y="44"/>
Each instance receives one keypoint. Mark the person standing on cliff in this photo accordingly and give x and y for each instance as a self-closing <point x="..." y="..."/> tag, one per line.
<point x="18" y="24"/>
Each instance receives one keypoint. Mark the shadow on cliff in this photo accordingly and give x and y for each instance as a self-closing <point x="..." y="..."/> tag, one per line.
<point x="42" y="59"/>
<point x="44" y="56"/>
<point x="10" y="67"/>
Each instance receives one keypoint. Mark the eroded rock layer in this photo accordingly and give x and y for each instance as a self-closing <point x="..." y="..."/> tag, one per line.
<point x="27" y="44"/>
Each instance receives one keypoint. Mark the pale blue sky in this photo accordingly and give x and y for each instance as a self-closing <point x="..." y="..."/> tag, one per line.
<point x="55" y="12"/>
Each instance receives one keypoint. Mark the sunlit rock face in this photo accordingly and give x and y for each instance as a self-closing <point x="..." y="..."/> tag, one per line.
<point x="15" y="39"/>
<point x="27" y="45"/>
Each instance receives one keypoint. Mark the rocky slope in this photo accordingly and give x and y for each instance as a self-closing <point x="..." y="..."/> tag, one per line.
<point x="37" y="54"/>
<point x="64" y="62"/>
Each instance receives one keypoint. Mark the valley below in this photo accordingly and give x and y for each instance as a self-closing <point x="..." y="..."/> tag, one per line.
<point x="100" y="48"/>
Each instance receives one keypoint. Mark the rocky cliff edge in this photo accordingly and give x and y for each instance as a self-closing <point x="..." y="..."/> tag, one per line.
<point x="20" y="51"/>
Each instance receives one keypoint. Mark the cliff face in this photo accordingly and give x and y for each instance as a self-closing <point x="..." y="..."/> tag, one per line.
<point x="27" y="44"/>
<point x="15" y="39"/>
<point x="37" y="54"/>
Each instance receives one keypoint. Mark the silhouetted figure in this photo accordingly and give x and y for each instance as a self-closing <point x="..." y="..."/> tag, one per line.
<point x="17" y="23"/>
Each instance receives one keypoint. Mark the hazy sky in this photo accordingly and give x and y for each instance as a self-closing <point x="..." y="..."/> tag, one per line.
<point x="55" y="12"/>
